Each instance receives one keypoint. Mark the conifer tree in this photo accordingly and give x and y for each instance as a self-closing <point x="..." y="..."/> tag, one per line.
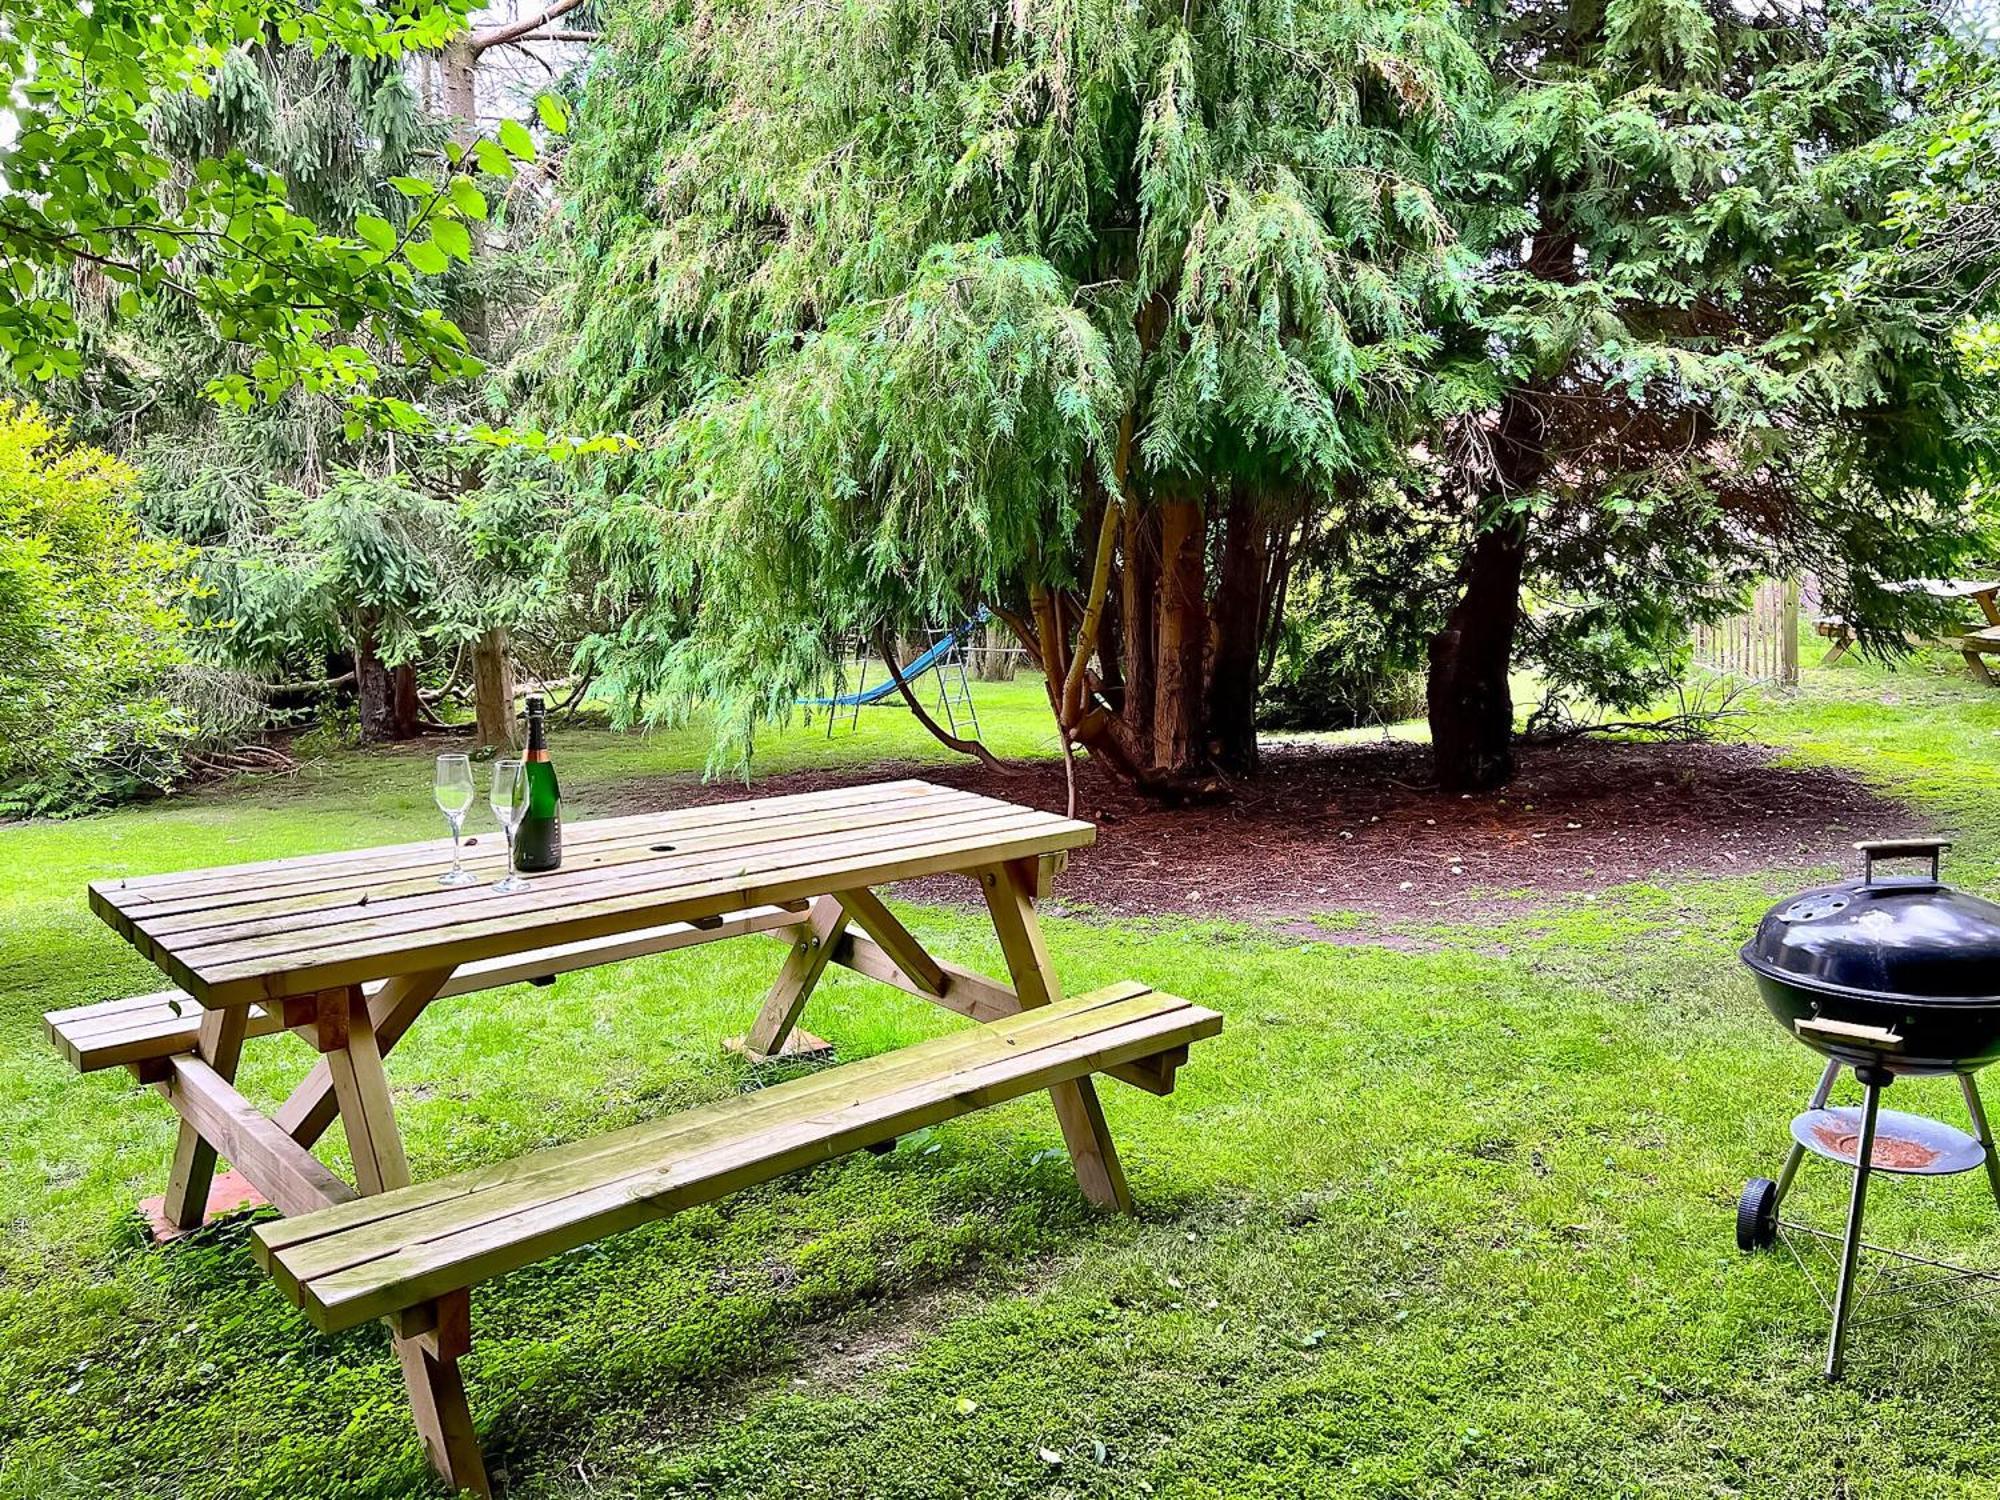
<point x="1681" y="381"/>
<point x="1091" y="313"/>
<point x="1070" y="308"/>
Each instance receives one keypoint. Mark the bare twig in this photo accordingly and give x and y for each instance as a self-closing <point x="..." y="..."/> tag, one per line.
<point x="498" y="35"/>
<point x="977" y="751"/>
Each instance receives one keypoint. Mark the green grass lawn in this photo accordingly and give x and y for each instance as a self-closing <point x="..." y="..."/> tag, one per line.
<point x="1451" y="1221"/>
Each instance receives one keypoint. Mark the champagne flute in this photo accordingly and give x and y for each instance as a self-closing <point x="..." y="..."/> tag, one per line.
<point x="510" y="803"/>
<point x="455" y="795"/>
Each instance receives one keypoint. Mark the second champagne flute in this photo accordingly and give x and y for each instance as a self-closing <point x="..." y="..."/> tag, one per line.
<point x="510" y="801"/>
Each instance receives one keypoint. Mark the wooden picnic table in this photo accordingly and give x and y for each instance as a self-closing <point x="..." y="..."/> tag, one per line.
<point x="346" y="950"/>
<point x="1974" y="643"/>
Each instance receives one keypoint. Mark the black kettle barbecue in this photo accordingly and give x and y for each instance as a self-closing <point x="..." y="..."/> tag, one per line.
<point x="1888" y="976"/>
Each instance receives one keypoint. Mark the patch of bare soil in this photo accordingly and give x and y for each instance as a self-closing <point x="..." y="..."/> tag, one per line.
<point x="1360" y="829"/>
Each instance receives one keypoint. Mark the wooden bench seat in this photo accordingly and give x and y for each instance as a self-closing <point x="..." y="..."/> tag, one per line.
<point x="1985" y="640"/>
<point x="147" y="1028"/>
<point x="402" y="1250"/>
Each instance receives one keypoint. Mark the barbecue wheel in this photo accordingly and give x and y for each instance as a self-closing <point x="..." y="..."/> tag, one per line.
<point x="1757" y="1215"/>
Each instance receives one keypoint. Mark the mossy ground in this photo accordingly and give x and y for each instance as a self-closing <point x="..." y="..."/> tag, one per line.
<point x="1449" y="1219"/>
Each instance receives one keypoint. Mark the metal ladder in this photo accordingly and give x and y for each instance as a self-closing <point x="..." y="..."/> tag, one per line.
<point x="955" y="688"/>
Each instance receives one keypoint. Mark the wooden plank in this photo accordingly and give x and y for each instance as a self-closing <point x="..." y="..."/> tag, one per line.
<point x="330" y="902"/>
<point x="220" y="1045"/>
<point x="392" y="1010"/>
<point x="298" y="1251"/>
<point x="412" y="1272"/>
<point x="965" y="991"/>
<point x="1009" y="904"/>
<point x="533" y="1178"/>
<point x="79" y="1016"/>
<point x="444" y="1325"/>
<point x="353" y="885"/>
<point x="444" y="909"/>
<point x="1009" y="891"/>
<point x="803" y="965"/>
<point x="468" y="1256"/>
<point x="208" y="946"/>
<point x="164" y="894"/>
<point x="872" y="917"/>
<point x="645" y="942"/>
<point x="981" y="998"/>
<point x="444" y="1417"/>
<point x="291" y="1177"/>
<point x="137" y="1034"/>
<point x="255" y="977"/>
<point x="152" y="890"/>
<point x="113" y="1033"/>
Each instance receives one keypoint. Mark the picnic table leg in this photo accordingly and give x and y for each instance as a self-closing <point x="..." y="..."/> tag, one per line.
<point x="787" y="997"/>
<point x="220" y="1045"/>
<point x="1009" y="892"/>
<point x="437" y="1395"/>
<point x="346" y="1032"/>
<point x="312" y="1106"/>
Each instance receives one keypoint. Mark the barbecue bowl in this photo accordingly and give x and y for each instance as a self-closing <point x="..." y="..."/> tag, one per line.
<point x="1896" y="974"/>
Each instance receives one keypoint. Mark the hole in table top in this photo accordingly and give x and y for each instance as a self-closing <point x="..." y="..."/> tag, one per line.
<point x="661" y="848"/>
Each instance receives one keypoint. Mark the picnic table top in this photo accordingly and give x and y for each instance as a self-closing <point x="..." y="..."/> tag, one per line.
<point x="1946" y="588"/>
<point x="239" y="934"/>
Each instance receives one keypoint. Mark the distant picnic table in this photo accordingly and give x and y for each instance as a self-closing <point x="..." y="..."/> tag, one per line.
<point x="1975" y="642"/>
<point x="347" y="950"/>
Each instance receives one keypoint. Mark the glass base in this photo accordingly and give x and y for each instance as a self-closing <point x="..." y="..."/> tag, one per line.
<point x="511" y="884"/>
<point x="458" y="878"/>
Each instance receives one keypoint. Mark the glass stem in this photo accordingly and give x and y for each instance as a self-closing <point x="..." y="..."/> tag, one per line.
<point x="455" y="868"/>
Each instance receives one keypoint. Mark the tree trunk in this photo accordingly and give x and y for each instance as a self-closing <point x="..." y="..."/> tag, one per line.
<point x="1471" y="707"/>
<point x="1183" y="635"/>
<point x="459" y="72"/>
<point x="993" y="661"/>
<point x="493" y="690"/>
<point x="388" y="695"/>
<point x="1138" y="615"/>
<point x="1235" y="622"/>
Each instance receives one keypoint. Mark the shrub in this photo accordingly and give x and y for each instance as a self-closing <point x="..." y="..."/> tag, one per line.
<point x="91" y="626"/>
<point x="1339" y="665"/>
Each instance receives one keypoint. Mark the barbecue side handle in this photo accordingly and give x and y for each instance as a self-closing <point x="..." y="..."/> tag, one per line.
<point x="1882" y="1037"/>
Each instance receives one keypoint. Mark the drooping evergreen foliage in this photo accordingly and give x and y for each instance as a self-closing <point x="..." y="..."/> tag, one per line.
<point x="271" y="491"/>
<point x="918" y="305"/>
<point x="1097" y="314"/>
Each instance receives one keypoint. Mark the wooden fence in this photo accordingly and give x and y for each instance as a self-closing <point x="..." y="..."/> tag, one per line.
<point x="1760" y="645"/>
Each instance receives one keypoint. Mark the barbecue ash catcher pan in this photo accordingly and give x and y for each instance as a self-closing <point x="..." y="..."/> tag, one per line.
<point x="1889" y="977"/>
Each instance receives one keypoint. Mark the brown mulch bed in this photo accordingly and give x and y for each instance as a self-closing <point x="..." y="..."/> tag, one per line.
<point x="1357" y="829"/>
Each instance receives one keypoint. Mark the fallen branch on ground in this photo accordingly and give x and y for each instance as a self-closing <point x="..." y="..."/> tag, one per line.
<point x="241" y="760"/>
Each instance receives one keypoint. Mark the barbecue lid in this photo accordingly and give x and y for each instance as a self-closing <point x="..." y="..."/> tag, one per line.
<point x="1894" y="937"/>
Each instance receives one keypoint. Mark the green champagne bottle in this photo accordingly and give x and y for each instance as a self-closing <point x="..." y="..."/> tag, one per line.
<point x="538" y="841"/>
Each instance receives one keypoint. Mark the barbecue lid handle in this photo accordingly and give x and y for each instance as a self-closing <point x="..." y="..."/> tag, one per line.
<point x="1874" y="849"/>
